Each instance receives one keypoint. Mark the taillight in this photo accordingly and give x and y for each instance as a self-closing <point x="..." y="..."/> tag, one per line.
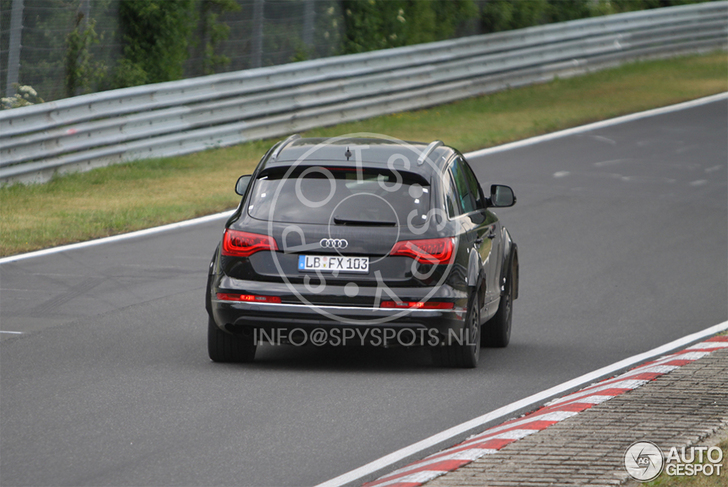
<point x="426" y="251"/>
<point x="243" y="244"/>
<point x="248" y="297"/>
<point x="417" y="304"/>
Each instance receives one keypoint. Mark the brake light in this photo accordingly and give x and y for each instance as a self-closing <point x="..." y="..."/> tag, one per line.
<point x="426" y="251"/>
<point x="243" y="244"/>
<point x="417" y="304"/>
<point x="248" y="298"/>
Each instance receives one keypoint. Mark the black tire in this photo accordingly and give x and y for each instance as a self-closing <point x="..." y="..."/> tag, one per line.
<point x="496" y="332"/>
<point x="463" y="355"/>
<point x="224" y="347"/>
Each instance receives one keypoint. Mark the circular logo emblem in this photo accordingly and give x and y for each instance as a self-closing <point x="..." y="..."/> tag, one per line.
<point x="644" y="461"/>
<point x="334" y="243"/>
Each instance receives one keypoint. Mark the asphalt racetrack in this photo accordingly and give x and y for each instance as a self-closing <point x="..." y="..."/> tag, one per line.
<point x="623" y="247"/>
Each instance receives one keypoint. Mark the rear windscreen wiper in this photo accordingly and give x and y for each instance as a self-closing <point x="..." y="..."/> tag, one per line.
<point x="352" y="221"/>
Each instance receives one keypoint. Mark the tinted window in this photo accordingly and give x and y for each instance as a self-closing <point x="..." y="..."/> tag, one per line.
<point x="451" y="199"/>
<point x="466" y="200"/>
<point x="473" y="186"/>
<point x="341" y="196"/>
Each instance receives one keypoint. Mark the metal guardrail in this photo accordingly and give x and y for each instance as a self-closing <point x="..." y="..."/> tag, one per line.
<point x="186" y="116"/>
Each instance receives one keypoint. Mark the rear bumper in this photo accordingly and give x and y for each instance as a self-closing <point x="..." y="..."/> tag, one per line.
<point x="340" y="325"/>
<point x="257" y="313"/>
<point x="331" y="313"/>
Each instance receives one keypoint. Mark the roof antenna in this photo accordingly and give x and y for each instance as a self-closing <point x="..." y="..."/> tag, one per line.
<point x="347" y="154"/>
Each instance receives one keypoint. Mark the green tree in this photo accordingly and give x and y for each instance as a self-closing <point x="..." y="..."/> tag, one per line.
<point x="209" y="33"/>
<point x="155" y="35"/>
<point x="81" y="71"/>
<point x="499" y="15"/>
<point x="565" y="10"/>
<point x="452" y="16"/>
<point x="381" y="24"/>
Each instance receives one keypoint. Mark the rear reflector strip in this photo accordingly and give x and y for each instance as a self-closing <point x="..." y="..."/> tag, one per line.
<point x="248" y="298"/>
<point x="417" y="304"/>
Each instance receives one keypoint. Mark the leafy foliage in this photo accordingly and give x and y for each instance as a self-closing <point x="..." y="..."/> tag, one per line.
<point x="500" y="15"/>
<point x="210" y="32"/>
<point x="24" y="96"/>
<point x="80" y="69"/>
<point x="381" y="24"/>
<point x="126" y="73"/>
<point x="155" y="34"/>
<point x="132" y="42"/>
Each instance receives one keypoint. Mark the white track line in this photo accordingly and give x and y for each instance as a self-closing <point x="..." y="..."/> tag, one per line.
<point x="12" y="332"/>
<point x="598" y="125"/>
<point x="478" y="153"/>
<point x="502" y="413"/>
<point x="116" y="238"/>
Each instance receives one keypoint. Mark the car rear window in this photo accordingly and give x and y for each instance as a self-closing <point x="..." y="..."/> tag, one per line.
<point x="341" y="196"/>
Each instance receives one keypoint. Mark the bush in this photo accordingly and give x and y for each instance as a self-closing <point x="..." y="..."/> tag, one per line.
<point x="81" y="71"/>
<point x="155" y="34"/>
<point x="500" y="15"/>
<point x="209" y="34"/>
<point x="24" y="96"/>
<point x="126" y="73"/>
<point x="564" y="10"/>
<point x="381" y="24"/>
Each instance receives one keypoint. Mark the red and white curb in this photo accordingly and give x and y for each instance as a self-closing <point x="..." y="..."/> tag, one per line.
<point x="493" y="439"/>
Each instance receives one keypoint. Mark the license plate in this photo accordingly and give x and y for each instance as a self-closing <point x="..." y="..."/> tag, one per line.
<point x="331" y="263"/>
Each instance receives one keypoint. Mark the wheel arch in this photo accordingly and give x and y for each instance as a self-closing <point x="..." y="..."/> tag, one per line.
<point x="510" y="259"/>
<point x="208" y="287"/>
<point x="515" y="270"/>
<point x="475" y="268"/>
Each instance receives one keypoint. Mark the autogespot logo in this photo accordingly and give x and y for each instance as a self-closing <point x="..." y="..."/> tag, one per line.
<point x="644" y="461"/>
<point x="317" y="283"/>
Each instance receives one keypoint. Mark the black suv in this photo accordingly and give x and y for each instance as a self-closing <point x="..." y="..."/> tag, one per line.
<point x="363" y="241"/>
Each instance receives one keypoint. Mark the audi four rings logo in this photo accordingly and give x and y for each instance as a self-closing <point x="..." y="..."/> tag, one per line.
<point x="334" y="243"/>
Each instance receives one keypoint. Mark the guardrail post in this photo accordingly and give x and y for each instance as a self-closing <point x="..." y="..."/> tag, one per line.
<point x="308" y="23"/>
<point x="257" y="43"/>
<point x="16" y="31"/>
<point x="85" y="9"/>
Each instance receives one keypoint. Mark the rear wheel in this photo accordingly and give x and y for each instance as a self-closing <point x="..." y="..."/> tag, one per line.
<point x="497" y="331"/>
<point x="463" y="354"/>
<point x="224" y="347"/>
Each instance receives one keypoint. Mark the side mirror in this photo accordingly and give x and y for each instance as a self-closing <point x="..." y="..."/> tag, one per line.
<point x="242" y="185"/>
<point x="501" y="196"/>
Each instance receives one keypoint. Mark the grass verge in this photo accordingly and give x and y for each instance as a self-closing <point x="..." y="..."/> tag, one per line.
<point x="128" y="197"/>
<point x="699" y="479"/>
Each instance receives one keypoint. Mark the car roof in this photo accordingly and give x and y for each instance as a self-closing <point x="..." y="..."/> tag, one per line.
<point x="377" y="152"/>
